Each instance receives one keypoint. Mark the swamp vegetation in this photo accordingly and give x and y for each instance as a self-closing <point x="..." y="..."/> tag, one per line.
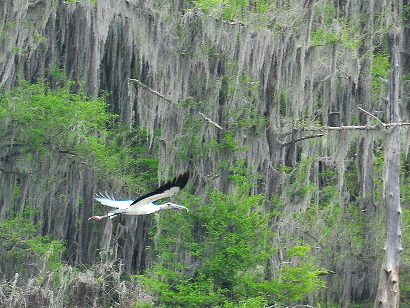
<point x="292" y="117"/>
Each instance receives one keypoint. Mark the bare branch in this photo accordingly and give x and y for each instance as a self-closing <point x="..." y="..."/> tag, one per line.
<point x="350" y="127"/>
<point x="151" y="90"/>
<point x="337" y="71"/>
<point x="302" y="138"/>
<point x="210" y="121"/>
<point x="373" y="116"/>
<point x="17" y="172"/>
<point x="327" y="77"/>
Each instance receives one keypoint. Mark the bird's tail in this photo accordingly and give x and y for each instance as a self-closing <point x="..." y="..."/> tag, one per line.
<point x="116" y="212"/>
<point x="110" y="215"/>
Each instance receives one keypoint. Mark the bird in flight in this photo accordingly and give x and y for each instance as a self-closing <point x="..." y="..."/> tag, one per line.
<point x="146" y="204"/>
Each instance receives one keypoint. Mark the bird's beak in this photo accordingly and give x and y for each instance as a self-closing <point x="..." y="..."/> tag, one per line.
<point x="179" y="207"/>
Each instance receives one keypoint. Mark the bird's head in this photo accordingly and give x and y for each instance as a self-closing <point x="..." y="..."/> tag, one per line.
<point x="170" y="205"/>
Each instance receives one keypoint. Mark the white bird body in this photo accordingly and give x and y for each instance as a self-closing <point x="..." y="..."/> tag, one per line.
<point x="144" y="205"/>
<point x="144" y="209"/>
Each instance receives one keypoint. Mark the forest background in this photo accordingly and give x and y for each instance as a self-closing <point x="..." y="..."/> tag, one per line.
<point x="292" y="117"/>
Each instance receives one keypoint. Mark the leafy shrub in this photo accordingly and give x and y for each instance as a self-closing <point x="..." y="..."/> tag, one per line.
<point x="226" y="243"/>
<point x="37" y="118"/>
<point x="49" y="120"/>
<point x="25" y="252"/>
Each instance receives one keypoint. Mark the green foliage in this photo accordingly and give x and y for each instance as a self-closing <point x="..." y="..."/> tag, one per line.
<point x="229" y="142"/>
<point x="192" y="146"/>
<point x="241" y="175"/>
<point x="405" y="77"/>
<point x="344" y="228"/>
<point x="226" y="239"/>
<point x="229" y="229"/>
<point x="241" y="87"/>
<point x="298" y="251"/>
<point x="294" y="282"/>
<point x="271" y="14"/>
<point x="333" y="29"/>
<point x="54" y="120"/>
<point x="247" y="117"/>
<point x="381" y="65"/>
<point x="264" y="6"/>
<point x="185" y="43"/>
<point x="380" y="69"/>
<point x="226" y="9"/>
<point x="322" y="37"/>
<point x="299" y="185"/>
<point x="131" y="158"/>
<point x="283" y="97"/>
<point x="143" y="305"/>
<point x="297" y="281"/>
<point x="25" y="252"/>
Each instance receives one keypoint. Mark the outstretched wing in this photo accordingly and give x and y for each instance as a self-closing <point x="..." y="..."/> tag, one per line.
<point x="110" y="201"/>
<point x="165" y="191"/>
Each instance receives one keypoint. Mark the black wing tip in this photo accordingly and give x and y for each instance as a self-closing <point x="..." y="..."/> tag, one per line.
<point x="181" y="180"/>
<point x="178" y="181"/>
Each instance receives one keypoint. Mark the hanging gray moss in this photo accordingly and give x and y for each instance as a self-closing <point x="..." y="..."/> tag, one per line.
<point x="260" y="84"/>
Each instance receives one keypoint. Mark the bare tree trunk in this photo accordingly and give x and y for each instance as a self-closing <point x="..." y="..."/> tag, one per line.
<point x="388" y="289"/>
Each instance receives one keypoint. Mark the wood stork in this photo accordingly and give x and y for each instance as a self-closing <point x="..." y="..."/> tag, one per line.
<point x="145" y="204"/>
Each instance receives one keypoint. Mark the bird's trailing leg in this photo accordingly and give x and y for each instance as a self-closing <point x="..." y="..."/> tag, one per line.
<point x="97" y="217"/>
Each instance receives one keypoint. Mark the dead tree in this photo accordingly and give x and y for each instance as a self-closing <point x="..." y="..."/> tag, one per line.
<point x="388" y="289"/>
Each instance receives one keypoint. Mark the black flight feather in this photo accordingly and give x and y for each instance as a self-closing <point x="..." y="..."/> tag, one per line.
<point x="179" y="181"/>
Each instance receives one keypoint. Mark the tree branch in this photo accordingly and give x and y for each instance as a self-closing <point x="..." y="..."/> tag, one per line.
<point x="373" y="116"/>
<point x="17" y="172"/>
<point x="350" y="127"/>
<point x="170" y="101"/>
<point x="151" y="90"/>
<point x="302" y="138"/>
<point x="210" y="121"/>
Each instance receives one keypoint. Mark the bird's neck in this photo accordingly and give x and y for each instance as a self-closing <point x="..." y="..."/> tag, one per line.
<point x="162" y="206"/>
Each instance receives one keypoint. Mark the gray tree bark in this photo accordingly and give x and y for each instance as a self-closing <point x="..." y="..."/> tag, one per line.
<point x="388" y="289"/>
